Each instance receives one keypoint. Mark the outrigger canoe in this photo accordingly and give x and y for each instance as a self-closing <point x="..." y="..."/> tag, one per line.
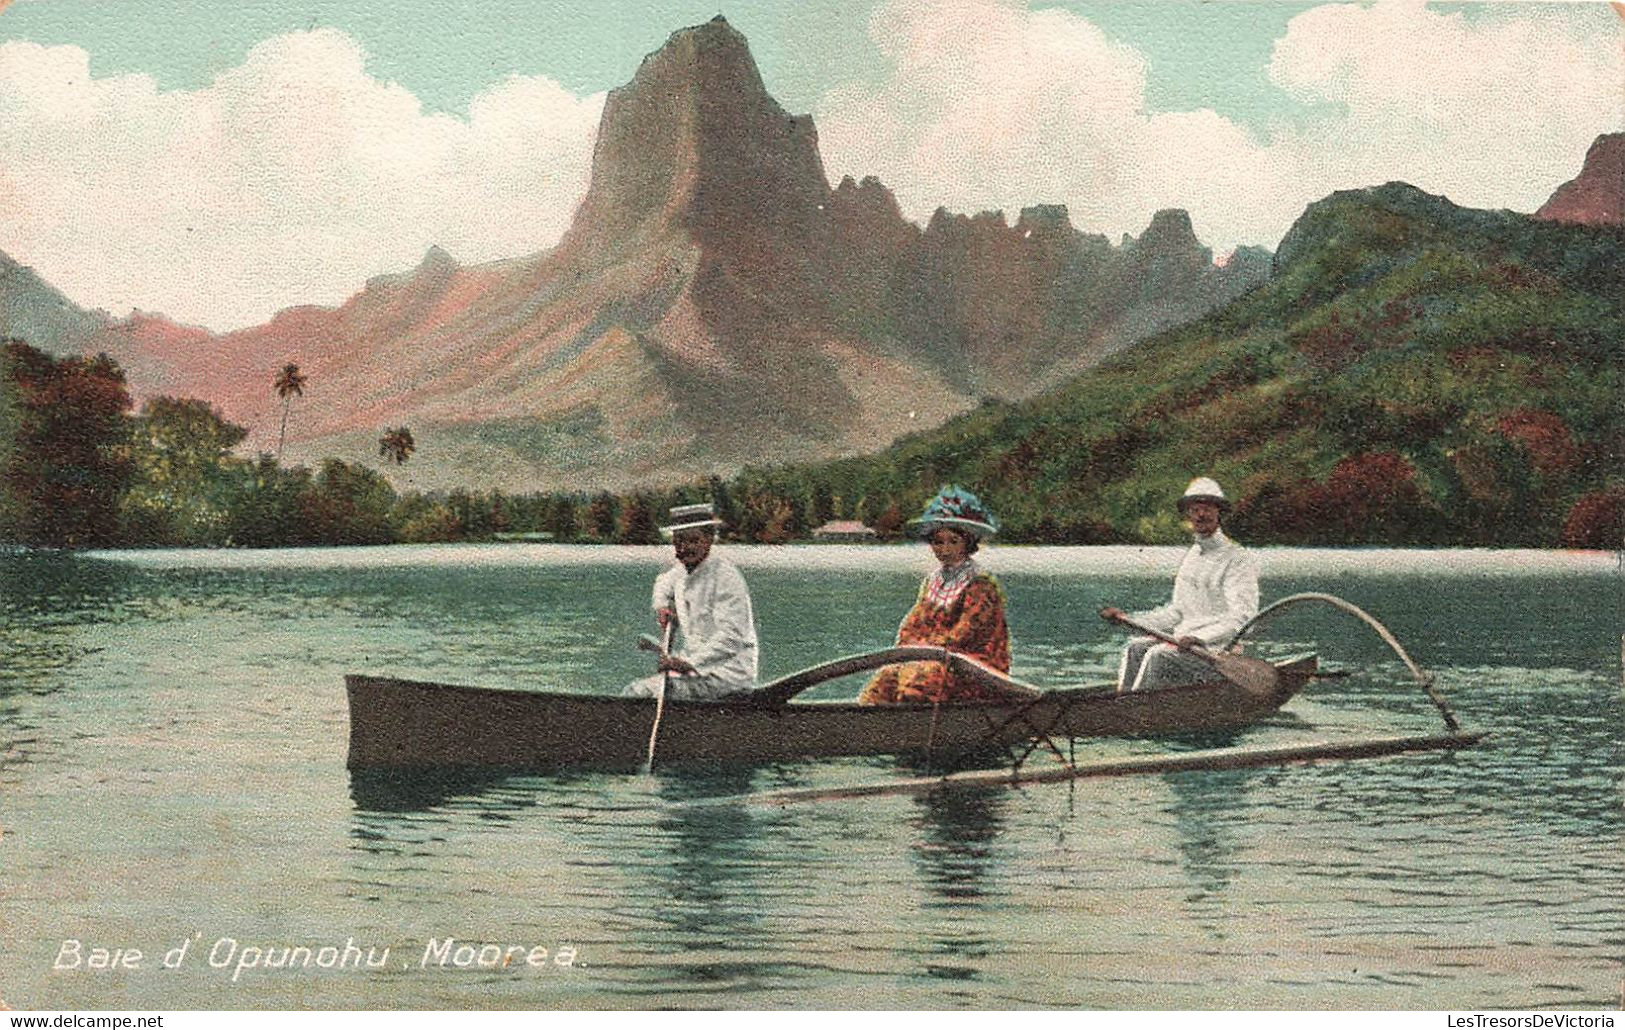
<point x="407" y="724"/>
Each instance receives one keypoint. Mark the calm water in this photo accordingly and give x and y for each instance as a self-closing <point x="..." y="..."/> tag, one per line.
<point x="172" y="737"/>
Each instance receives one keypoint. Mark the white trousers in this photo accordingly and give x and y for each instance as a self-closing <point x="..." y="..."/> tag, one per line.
<point x="684" y="688"/>
<point x="1148" y="664"/>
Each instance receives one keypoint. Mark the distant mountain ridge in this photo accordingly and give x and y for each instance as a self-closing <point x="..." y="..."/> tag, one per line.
<point x="33" y="309"/>
<point x="714" y="304"/>
<point x="1414" y="372"/>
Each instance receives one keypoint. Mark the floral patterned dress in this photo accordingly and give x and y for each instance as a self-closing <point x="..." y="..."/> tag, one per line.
<point x="961" y="609"/>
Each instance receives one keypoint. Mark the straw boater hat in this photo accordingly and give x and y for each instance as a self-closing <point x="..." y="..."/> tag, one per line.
<point x="1203" y="489"/>
<point x="691" y="516"/>
<point x="955" y="507"/>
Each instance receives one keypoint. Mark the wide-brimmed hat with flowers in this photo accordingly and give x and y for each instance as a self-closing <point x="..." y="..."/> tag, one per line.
<point x="955" y="507"/>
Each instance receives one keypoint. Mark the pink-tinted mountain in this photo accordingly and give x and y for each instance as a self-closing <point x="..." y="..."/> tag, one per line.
<point x="1597" y="195"/>
<point x="714" y="304"/>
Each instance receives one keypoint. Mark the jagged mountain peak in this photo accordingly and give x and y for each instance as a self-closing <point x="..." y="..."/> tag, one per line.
<point x="1045" y="220"/>
<point x="713" y="304"/>
<point x="694" y="148"/>
<point x="710" y="56"/>
<point x="1171" y="228"/>
<point x="436" y="258"/>
<point x="1597" y="195"/>
<point x="869" y="193"/>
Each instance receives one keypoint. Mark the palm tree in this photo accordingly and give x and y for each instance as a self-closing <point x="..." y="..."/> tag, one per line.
<point x="289" y="383"/>
<point x="397" y="445"/>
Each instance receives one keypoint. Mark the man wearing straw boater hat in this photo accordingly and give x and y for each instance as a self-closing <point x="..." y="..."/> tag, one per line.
<point x="1215" y="594"/>
<point x="705" y="598"/>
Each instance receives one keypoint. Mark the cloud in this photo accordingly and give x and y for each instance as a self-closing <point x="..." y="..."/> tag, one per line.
<point x="990" y="104"/>
<point x="1493" y="112"/>
<point x="291" y="178"/>
<point x="295" y="176"/>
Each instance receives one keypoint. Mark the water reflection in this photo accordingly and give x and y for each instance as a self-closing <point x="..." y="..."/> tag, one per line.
<point x="1208" y="812"/>
<point x="958" y="831"/>
<point x="59" y="586"/>
<point x="416" y="812"/>
<point x="19" y="742"/>
<point x="706" y="878"/>
<point x="186" y="697"/>
<point x="702" y="883"/>
<point x="46" y="602"/>
<point x="417" y="790"/>
<point x="955" y="856"/>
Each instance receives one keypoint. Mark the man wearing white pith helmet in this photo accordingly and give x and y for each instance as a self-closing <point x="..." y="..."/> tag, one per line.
<point x="1215" y="594"/>
<point x="706" y="598"/>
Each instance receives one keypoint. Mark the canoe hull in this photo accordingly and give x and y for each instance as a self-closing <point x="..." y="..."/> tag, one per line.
<point x="405" y="724"/>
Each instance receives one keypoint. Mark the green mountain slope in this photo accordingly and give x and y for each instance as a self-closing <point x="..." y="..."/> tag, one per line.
<point x="1414" y="372"/>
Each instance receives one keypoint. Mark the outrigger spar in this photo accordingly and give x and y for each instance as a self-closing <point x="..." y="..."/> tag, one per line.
<point x="1220" y="758"/>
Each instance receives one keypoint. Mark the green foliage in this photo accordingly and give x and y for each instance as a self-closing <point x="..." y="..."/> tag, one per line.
<point x="722" y="498"/>
<point x="425" y="520"/>
<point x="268" y="508"/>
<point x="11" y="504"/>
<point x="598" y="519"/>
<point x="637" y="522"/>
<point x="1415" y="373"/>
<point x="185" y="480"/>
<point x="397" y="444"/>
<point x="347" y="504"/>
<point x="67" y="453"/>
<point x="562" y="519"/>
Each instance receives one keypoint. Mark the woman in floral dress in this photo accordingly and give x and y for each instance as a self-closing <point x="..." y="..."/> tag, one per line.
<point x="960" y="607"/>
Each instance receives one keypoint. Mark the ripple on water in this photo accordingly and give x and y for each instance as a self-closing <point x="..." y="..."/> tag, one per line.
<point x="172" y="732"/>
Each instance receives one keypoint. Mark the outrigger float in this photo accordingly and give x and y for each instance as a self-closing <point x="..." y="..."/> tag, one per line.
<point x="398" y="724"/>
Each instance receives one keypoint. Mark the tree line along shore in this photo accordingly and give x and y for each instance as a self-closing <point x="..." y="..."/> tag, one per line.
<point x="83" y="470"/>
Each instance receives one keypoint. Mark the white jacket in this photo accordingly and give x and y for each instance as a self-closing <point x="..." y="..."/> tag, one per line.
<point x="1215" y="592"/>
<point x="715" y="619"/>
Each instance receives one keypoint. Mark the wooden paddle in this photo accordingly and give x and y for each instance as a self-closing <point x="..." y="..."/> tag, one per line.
<point x="1254" y="675"/>
<point x="783" y="689"/>
<point x="662" y="648"/>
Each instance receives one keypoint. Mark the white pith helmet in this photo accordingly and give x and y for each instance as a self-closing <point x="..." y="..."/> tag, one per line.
<point x="1203" y="489"/>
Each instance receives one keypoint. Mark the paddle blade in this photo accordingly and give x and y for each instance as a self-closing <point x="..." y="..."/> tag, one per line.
<point x="1254" y="675"/>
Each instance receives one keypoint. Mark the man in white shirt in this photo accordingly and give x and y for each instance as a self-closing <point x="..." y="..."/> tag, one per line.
<point x="707" y="600"/>
<point x="1215" y="594"/>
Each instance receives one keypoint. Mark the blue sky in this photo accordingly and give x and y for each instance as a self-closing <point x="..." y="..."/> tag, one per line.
<point x="1199" y="53"/>
<point x="1241" y="112"/>
<point x="446" y="53"/>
